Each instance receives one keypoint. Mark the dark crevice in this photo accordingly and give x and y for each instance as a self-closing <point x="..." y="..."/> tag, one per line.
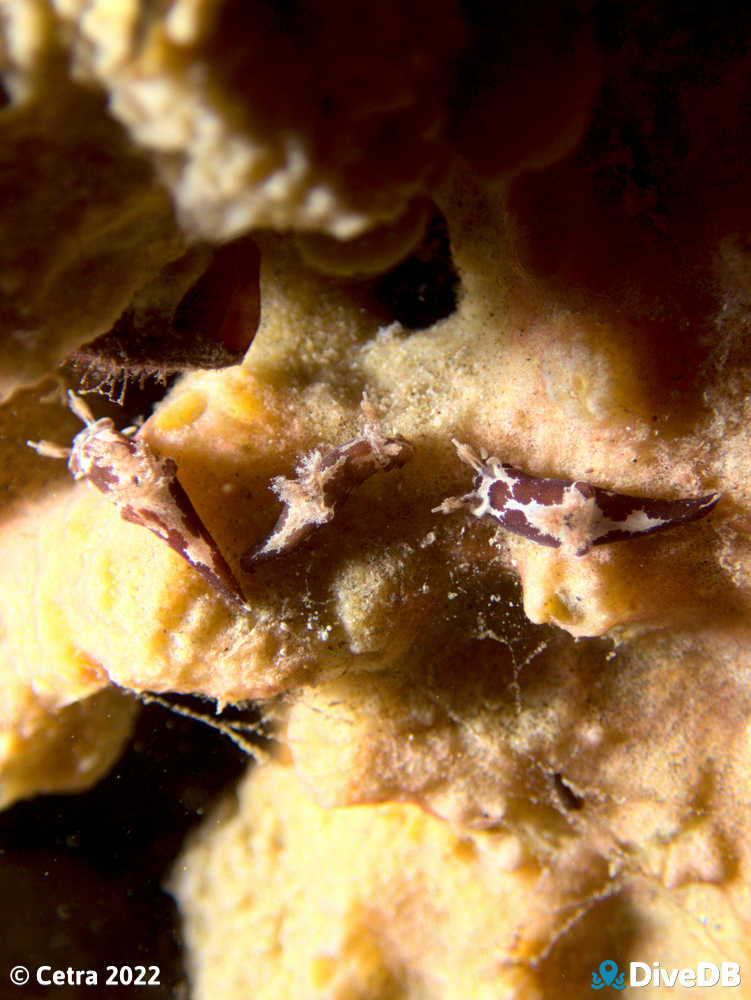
<point x="570" y="801"/>
<point x="86" y="871"/>
<point x="423" y="288"/>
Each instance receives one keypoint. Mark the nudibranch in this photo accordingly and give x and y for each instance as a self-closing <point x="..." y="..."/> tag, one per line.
<point x="565" y="514"/>
<point x="146" y="491"/>
<point x="324" y="481"/>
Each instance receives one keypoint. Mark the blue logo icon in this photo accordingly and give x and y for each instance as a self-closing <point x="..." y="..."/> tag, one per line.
<point x="609" y="976"/>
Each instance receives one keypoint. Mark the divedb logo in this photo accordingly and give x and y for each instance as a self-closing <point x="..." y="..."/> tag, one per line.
<point x="704" y="975"/>
<point x="608" y="976"/>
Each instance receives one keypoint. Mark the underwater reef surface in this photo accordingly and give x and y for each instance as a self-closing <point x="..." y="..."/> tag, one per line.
<point x="430" y="323"/>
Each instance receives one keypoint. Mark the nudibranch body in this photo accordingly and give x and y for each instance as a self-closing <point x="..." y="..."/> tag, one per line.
<point x="146" y="491"/>
<point x="570" y="515"/>
<point x="323" y="483"/>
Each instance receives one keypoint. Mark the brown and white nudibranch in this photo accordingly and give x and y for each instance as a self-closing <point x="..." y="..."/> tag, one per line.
<point x="146" y="491"/>
<point x="572" y="516"/>
<point x="324" y="481"/>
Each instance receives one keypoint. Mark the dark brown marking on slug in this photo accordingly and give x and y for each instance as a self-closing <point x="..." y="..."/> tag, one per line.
<point x="548" y="492"/>
<point x="499" y="493"/>
<point x="516" y="521"/>
<point x="560" y="513"/>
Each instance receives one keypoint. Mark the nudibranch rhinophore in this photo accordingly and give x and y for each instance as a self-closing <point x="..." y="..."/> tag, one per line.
<point x="565" y="514"/>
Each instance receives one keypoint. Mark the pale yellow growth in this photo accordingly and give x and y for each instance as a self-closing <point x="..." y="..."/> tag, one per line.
<point x="229" y="398"/>
<point x="365" y="594"/>
<point x="374" y="252"/>
<point x="698" y="856"/>
<point x="184" y="409"/>
<point x="137" y="608"/>
<point x="587" y="371"/>
<point x="593" y="708"/>
<point x="229" y="161"/>
<point x="577" y="727"/>
<point x="585" y="596"/>
<point x="87" y="225"/>
<point x="65" y="749"/>
<point x="61" y="723"/>
<point x="282" y="898"/>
